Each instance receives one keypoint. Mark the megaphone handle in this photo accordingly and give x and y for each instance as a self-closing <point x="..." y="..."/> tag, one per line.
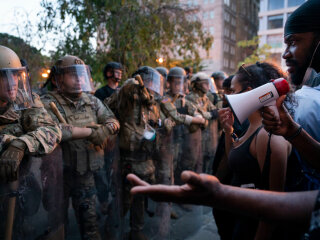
<point x="273" y="106"/>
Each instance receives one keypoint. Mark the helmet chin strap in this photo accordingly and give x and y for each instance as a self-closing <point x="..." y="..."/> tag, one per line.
<point x="309" y="69"/>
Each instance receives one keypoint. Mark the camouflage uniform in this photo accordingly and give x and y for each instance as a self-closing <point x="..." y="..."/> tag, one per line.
<point x="138" y="112"/>
<point x="193" y="160"/>
<point x="36" y="129"/>
<point x="80" y="158"/>
<point x="212" y="133"/>
<point x="183" y="106"/>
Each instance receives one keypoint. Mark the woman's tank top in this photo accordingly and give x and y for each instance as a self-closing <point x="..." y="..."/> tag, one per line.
<point x="245" y="168"/>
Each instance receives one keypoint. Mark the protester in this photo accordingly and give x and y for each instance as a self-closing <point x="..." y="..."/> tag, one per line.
<point x="256" y="160"/>
<point x="295" y="208"/>
<point x="302" y="37"/>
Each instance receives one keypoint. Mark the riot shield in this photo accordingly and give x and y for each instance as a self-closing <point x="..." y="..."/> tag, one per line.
<point x="32" y="206"/>
<point x="95" y="209"/>
<point x="210" y="137"/>
<point x="163" y="157"/>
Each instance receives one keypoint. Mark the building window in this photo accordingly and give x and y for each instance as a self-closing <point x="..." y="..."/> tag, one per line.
<point x="205" y="1"/>
<point x="211" y="14"/>
<point x="275" y="41"/>
<point x="226" y="63"/>
<point x="226" y="47"/>
<point x="275" y="21"/>
<point x="205" y="15"/>
<point x="227" y="2"/>
<point x="233" y="36"/>
<point x="232" y="65"/>
<point x="211" y="30"/>
<point x="234" y="7"/>
<point x="293" y="3"/>
<point x="275" y="4"/>
<point x="232" y="51"/>
<point x="226" y="32"/>
<point x="212" y="1"/>
<point x="227" y="17"/>
<point x="233" y="21"/>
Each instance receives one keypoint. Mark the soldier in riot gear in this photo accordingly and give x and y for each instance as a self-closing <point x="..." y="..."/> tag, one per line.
<point x="26" y="129"/>
<point x="177" y="79"/>
<point x="142" y="112"/>
<point x="112" y="73"/>
<point x="215" y="94"/>
<point x="86" y="125"/>
<point x="200" y="87"/>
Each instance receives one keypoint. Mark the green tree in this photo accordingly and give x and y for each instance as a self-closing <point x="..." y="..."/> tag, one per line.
<point x="133" y="32"/>
<point x="36" y="61"/>
<point x="256" y="53"/>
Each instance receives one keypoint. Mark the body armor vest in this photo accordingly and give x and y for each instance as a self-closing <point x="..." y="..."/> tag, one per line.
<point x="80" y="154"/>
<point x="137" y="120"/>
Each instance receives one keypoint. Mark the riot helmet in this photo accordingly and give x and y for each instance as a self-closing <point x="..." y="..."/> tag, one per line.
<point x="72" y="76"/>
<point x="212" y="86"/>
<point x="201" y="81"/>
<point x="177" y="79"/>
<point x="164" y="72"/>
<point x="115" y="69"/>
<point x="152" y="79"/>
<point x="218" y="78"/>
<point x="14" y="80"/>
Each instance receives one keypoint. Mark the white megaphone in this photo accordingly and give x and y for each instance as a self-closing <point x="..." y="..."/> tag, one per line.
<point x="243" y="104"/>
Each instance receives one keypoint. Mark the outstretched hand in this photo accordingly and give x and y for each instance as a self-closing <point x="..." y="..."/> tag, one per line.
<point x="283" y="124"/>
<point x="198" y="189"/>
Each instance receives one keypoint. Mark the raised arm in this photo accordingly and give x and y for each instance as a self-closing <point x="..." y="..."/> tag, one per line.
<point x="285" y="126"/>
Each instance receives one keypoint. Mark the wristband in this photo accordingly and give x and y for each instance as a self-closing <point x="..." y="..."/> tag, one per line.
<point x="295" y="134"/>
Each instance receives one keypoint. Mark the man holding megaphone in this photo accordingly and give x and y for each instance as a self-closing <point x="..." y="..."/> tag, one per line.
<point x="256" y="159"/>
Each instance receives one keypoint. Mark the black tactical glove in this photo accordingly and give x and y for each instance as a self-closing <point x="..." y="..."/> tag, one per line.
<point x="99" y="136"/>
<point x="10" y="160"/>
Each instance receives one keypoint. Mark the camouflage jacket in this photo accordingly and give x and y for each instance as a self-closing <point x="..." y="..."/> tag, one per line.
<point x="202" y="103"/>
<point x="80" y="154"/>
<point x="102" y="114"/>
<point x="34" y="126"/>
<point x="138" y="110"/>
<point x="183" y="105"/>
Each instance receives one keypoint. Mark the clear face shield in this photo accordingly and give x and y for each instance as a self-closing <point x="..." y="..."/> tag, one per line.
<point x="177" y="84"/>
<point x="203" y="85"/>
<point x="15" y="88"/>
<point x="153" y="81"/>
<point x="212" y="86"/>
<point x="74" y="79"/>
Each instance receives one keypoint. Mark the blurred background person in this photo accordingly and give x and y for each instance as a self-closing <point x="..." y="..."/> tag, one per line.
<point x="112" y="73"/>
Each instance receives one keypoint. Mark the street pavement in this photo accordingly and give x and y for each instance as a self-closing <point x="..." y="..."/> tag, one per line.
<point x="193" y="223"/>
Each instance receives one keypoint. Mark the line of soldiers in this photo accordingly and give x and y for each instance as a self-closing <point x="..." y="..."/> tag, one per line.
<point x="161" y="131"/>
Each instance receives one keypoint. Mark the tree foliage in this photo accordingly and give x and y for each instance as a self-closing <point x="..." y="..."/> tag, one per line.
<point x="36" y="61"/>
<point x="133" y="32"/>
<point x="258" y="53"/>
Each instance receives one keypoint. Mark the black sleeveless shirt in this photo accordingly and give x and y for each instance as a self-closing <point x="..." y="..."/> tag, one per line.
<point x="245" y="168"/>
